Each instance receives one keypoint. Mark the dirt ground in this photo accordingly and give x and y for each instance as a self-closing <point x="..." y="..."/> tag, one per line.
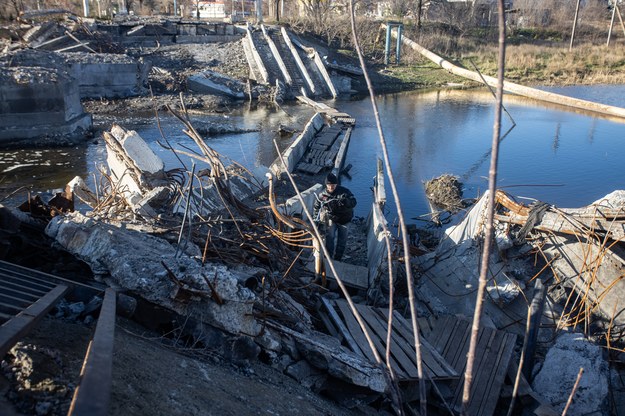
<point x="149" y="378"/>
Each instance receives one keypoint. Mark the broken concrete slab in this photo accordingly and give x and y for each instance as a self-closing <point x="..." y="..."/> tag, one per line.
<point x="581" y="247"/>
<point x="326" y="353"/>
<point x="136" y="262"/>
<point x="297" y="149"/>
<point x="98" y="75"/>
<point x="137" y="172"/>
<point x="559" y="372"/>
<point x="452" y="274"/>
<point x="209" y="82"/>
<point x="40" y="105"/>
<point x="146" y="161"/>
<point x="108" y="75"/>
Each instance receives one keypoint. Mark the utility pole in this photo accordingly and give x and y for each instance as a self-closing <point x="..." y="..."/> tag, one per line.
<point x="611" y="22"/>
<point x="574" y="25"/>
<point x="419" y="4"/>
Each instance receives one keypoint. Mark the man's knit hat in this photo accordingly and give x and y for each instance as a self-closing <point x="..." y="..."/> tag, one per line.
<point x="331" y="179"/>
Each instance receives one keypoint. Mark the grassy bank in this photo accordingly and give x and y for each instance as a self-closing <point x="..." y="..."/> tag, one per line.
<point x="533" y="57"/>
<point x="554" y="64"/>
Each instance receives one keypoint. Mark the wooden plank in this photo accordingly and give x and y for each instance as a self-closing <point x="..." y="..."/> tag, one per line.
<point x="377" y="342"/>
<point x="349" y="339"/>
<point x="493" y="354"/>
<point x="9" y="276"/>
<point x="19" y="294"/>
<point x="424" y="327"/>
<point x="354" y="329"/>
<point x="14" y="329"/>
<point x="16" y="274"/>
<point x="524" y="388"/>
<point x="329" y="324"/>
<point x="438" y="367"/>
<point x="42" y="278"/>
<point x="91" y="397"/>
<point x="484" y="340"/>
<point x="489" y="401"/>
<point x="405" y="363"/>
<point x="484" y="373"/>
<point x="8" y="307"/>
<point x="444" y="333"/>
<point x="434" y="364"/>
<point x="13" y="300"/>
<point x="457" y="345"/>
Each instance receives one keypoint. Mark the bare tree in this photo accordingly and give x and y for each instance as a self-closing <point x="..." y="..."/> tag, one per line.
<point x="318" y="11"/>
<point x="10" y="9"/>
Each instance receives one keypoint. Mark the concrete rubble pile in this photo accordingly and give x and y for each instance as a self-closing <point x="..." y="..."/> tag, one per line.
<point x="206" y="249"/>
<point x="583" y="257"/>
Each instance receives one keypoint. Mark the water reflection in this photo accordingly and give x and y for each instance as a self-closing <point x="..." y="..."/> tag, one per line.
<point x="433" y="133"/>
<point x="428" y="134"/>
<point x="40" y="169"/>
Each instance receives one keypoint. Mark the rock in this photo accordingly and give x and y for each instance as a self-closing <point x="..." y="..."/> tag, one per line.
<point x="242" y="350"/>
<point x="269" y="341"/>
<point x="126" y="305"/>
<point x="43" y="408"/>
<point x="282" y="363"/>
<point x="305" y="374"/>
<point x="558" y="374"/>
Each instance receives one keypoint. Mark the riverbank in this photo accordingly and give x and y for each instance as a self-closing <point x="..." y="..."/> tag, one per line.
<point x="530" y="65"/>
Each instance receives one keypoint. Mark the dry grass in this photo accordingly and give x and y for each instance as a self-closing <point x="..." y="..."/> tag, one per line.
<point x="585" y="64"/>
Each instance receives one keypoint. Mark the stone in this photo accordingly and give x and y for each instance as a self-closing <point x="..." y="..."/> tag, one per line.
<point x="243" y="350"/>
<point x="555" y="380"/>
<point x="269" y="340"/>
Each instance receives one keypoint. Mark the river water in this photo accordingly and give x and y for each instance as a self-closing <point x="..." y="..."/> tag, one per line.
<point x="553" y="154"/>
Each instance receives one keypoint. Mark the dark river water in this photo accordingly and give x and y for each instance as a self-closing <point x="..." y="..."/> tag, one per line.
<point x="553" y="154"/>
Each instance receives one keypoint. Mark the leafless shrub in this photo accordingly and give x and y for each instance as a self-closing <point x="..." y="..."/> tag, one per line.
<point x="335" y="31"/>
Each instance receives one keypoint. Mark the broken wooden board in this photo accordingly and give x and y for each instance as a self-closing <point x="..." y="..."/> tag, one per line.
<point x="308" y="168"/>
<point x="403" y="357"/>
<point x="323" y="150"/>
<point x="451" y="337"/>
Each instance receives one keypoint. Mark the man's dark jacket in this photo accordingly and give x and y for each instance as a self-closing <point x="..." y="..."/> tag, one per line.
<point x="339" y="204"/>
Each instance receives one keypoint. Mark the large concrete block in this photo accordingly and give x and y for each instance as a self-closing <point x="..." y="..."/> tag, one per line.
<point x="40" y="103"/>
<point x="108" y="75"/>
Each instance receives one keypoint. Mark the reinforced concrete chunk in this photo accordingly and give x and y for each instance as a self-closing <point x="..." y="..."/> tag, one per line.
<point x="136" y="262"/>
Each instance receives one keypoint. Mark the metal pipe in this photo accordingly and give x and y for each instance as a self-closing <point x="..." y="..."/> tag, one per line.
<point x="387" y="45"/>
<point x="398" y="46"/>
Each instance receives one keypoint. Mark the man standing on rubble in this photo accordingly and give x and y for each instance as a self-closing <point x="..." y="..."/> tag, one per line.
<point x="334" y="208"/>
